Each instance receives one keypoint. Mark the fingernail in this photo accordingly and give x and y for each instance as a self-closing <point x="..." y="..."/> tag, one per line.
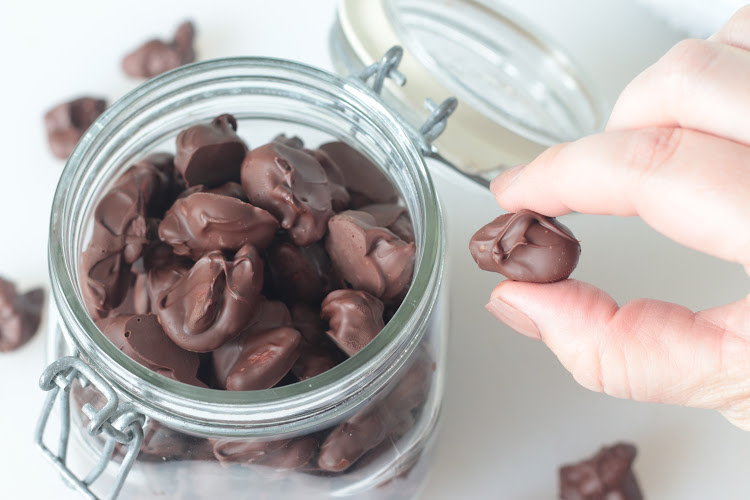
<point x="513" y="318"/>
<point x="502" y="181"/>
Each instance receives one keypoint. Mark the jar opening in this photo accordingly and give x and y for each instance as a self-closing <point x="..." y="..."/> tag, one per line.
<point x="267" y="96"/>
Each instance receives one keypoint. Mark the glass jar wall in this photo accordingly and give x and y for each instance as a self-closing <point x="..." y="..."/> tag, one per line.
<point x="359" y="430"/>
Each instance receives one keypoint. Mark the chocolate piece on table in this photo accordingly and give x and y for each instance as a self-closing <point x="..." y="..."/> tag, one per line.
<point x="210" y="154"/>
<point x="213" y="302"/>
<point x="293" y="186"/>
<point x="607" y="475"/>
<point x="262" y="354"/>
<point x="526" y="246"/>
<point x="301" y="273"/>
<point x="366" y="183"/>
<point x="205" y="222"/>
<point x="369" y="257"/>
<point x="156" y="56"/>
<point x="67" y="122"/>
<point x="355" y="318"/>
<point x="393" y="217"/>
<point x="122" y="230"/>
<point x="141" y="337"/>
<point x="20" y="315"/>
<point x="284" y="454"/>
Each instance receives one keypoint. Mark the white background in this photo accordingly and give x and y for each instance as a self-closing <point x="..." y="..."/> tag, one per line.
<point x="511" y="413"/>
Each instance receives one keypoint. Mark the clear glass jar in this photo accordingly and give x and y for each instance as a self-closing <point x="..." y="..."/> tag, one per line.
<point x="202" y="443"/>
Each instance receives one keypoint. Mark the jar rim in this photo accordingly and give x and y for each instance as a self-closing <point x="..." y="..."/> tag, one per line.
<point x="265" y="412"/>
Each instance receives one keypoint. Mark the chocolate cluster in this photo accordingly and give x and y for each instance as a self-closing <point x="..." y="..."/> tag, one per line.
<point x="526" y="246"/>
<point x="239" y="268"/>
<point x="606" y="475"/>
<point x="19" y="315"/>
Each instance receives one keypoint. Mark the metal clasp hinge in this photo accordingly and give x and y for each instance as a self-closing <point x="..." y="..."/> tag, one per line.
<point x="119" y="422"/>
<point x="387" y="67"/>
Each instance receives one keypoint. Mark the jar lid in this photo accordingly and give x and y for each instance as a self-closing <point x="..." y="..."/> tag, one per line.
<point x="519" y="93"/>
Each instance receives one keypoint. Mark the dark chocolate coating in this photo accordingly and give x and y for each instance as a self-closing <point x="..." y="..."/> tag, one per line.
<point x="213" y="302"/>
<point x="210" y="154"/>
<point x="293" y="142"/>
<point x="142" y="338"/>
<point x="306" y="320"/>
<point x="122" y="230"/>
<point x="233" y="189"/>
<point x="20" y="315"/>
<point x="366" y="183"/>
<point x="262" y="354"/>
<point x="340" y="197"/>
<point x="526" y="246"/>
<point x="284" y="454"/>
<point x="413" y="385"/>
<point x="156" y="56"/>
<point x="316" y="359"/>
<point x="205" y="222"/>
<point x="370" y="257"/>
<point x="301" y="273"/>
<point x="67" y="122"/>
<point x="364" y="431"/>
<point x="293" y="186"/>
<point x="355" y="318"/>
<point x="393" y="217"/>
<point x="605" y="476"/>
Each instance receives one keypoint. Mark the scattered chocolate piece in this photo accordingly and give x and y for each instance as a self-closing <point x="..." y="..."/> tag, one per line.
<point x="142" y="338"/>
<point x="301" y="273"/>
<point x="393" y="217"/>
<point x="366" y="183"/>
<point x="526" y="246"/>
<point x="19" y="315"/>
<point x="605" y="476"/>
<point x="205" y="222"/>
<point x="156" y="56"/>
<point x="210" y="154"/>
<point x="67" y="122"/>
<point x="293" y="186"/>
<point x="355" y="317"/>
<point x="213" y="302"/>
<point x="369" y="257"/>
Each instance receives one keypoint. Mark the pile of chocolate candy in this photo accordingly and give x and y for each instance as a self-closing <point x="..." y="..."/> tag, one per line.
<point x="246" y="269"/>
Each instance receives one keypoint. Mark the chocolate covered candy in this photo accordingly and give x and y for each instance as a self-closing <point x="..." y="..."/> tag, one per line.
<point x="526" y="246"/>
<point x="370" y="257"/>
<point x="262" y="354"/>
<point x="204" y="222"/>
<point x="284" y="454"/>
<point x="292" y="185"/>
<point x="67" y="122"/>
<point x="122" y="229"/>
<point x="210" y="154"/>
<point x="366" y="183"/>
<point x="355" y="318"/>
<point x="607" y="475"/>
<point x="393" y="217"/>
<point x="213" y="302"/>
<point x="142" y="338"/>
<point x="19" y="315"/>
<point x="301" y="273"/>
<point x="157" y="56"/>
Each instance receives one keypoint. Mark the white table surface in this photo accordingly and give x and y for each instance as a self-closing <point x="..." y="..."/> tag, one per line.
<point x="511" y="413"/>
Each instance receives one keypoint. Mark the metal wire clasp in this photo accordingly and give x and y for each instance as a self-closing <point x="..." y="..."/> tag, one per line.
<point x="119" y="422"/>
<point x="387" y="67"/>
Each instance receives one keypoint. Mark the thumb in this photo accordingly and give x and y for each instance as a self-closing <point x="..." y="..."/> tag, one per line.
<point x="646" y="350"/>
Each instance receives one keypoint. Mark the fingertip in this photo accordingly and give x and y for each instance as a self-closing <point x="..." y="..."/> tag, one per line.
<point x="500" y="183"/>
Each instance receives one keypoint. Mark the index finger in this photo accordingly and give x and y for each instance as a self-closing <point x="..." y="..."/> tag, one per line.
<point x="692" y="187"/>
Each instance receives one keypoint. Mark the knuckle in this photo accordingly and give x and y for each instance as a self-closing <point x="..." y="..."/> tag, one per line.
<point x="647" y="150"/>
<point x="738" y="24"/>
<point x="689" y="59"/>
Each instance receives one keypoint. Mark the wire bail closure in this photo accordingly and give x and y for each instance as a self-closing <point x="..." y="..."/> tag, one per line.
<point x="121" y="423"/>
<point x="387" y="67"/>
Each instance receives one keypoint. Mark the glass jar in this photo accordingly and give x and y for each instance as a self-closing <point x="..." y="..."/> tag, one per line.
<point x="360" y="430"/>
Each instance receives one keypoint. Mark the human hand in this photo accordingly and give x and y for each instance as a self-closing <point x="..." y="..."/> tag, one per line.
<point x="676" y="152"/>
